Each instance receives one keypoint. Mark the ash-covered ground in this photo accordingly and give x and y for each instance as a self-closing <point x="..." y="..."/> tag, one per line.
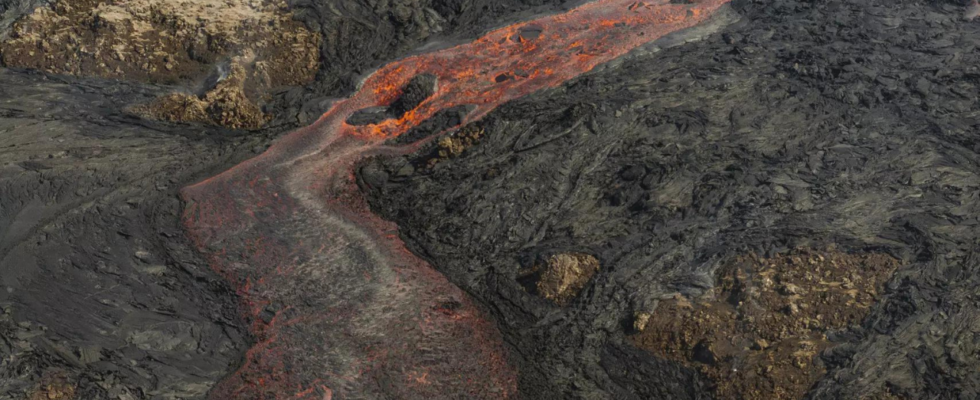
<point x="845" y="128"/>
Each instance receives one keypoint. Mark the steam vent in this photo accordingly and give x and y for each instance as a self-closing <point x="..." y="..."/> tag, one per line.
<point x="476" y="199"/>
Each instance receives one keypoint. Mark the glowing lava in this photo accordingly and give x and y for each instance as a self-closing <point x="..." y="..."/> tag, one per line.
<point x="339" y="307"/>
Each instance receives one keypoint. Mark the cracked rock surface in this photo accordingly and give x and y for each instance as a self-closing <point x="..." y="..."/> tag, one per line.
<point x="845" y="123"/>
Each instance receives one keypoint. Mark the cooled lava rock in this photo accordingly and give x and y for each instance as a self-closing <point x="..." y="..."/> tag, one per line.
<point x="808" y="124"/>
<point x="418" y="89"/>
<point x="369" y="116"/>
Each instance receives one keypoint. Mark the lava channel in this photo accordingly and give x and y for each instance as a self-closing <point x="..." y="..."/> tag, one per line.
<point x="340" y="309"/>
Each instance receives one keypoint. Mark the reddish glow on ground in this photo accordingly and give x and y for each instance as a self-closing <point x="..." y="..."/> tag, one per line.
<point x="338" y="306"/>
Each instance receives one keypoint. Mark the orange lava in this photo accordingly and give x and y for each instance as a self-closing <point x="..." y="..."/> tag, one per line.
<point x="569" y="45"/>
<point x="337" y="304"/>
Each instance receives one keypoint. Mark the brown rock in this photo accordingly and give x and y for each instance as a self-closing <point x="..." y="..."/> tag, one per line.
<point x="757" y="343"/>
<point x="564" y="275"/>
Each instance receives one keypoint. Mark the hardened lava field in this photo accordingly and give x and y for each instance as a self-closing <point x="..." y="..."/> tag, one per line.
<point x="488" y="199"/>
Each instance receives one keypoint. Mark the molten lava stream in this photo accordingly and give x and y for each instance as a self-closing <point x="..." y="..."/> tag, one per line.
<point x="339" y="307"/>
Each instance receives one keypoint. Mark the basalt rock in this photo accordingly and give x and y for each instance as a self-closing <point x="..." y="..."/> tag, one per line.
<point x="418" y="89"/>
<point x="808" y="124"/>
<point x="415" y="92"/>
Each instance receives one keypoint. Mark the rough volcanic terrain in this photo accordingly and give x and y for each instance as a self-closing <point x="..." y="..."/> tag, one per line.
<point x="779" y="203"/>
<point x="161" y="41"/>
<point x="337" y="304"/>
<point x="245" y="48"/>
<point x="102" y="298"/>
<point x="101" y="293"/>
<point x="757" y="333"/>
<point x="807" y="123"/>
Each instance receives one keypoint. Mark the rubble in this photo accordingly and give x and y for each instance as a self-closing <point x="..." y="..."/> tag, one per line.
<point x="161" y="41"/>
<point x="225" y="105"/>
<point x="564" y="275"/>
<point x="738" y="336"/>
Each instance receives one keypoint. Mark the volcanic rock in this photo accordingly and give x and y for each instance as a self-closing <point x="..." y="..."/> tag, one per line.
<point x="420" y="88"/>
<point x="791" y="129"/>
<point x="564" y="275"/>
<point x="161" y="41"/>
<point x="720" y="332"/>
<point x="369" y="116"/>
<point x="806" y="124"/>
<point x="226" y="105"/>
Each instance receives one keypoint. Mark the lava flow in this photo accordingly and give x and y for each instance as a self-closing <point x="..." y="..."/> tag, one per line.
<point x="338" y="306"/>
